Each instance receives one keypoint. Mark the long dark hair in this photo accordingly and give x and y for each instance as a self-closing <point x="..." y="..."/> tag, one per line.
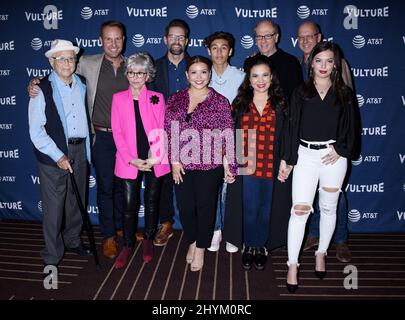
<point x="245" y="91"/>
<point x="338" y="86"/>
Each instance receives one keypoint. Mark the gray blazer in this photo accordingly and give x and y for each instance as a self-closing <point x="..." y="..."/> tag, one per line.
<point x="89" y="67"/>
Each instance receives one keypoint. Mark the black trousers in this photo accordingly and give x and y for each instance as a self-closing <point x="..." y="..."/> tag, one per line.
<point x="166" y="208"/>
<point x="197" y="201"/>
<point x="132" y="188"/>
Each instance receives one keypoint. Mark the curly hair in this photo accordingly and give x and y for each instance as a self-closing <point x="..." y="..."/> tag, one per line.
<point x="142" y="59"/>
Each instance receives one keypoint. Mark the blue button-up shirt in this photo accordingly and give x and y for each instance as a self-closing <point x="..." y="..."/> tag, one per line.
<point x="177" y="77"/>
<point x="75" y="114"/>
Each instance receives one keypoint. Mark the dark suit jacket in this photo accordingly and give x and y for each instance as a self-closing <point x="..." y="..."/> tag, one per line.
<point x="161" y="81"/>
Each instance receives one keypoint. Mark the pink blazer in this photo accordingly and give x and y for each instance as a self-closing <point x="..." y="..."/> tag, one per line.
<point x="152" y="110"/>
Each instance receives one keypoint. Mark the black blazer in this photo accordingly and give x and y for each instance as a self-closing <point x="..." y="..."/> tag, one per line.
<point x="161" y="81"/>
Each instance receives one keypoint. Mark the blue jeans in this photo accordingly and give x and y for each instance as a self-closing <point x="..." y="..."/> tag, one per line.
<point x="257" y="196"/>
<point x="219" y="220"/>
<point x="341" y="231"/>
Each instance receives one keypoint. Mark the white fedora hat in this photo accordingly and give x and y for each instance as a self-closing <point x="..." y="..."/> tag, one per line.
<point x="61" y="45"/>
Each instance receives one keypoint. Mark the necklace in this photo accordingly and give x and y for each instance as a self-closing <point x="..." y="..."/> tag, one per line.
<point x="322" y="90"/>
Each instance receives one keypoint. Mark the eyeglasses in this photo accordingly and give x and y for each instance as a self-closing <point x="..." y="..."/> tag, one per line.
<point x="266" y="36"/>
<point x="132" y="74"/>
<point x="307" y="37"/>
<point x="173" y="37"/>
<point x="62" y="60"/>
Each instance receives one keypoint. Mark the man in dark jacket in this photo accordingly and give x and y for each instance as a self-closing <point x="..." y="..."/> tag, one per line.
<point x="170" y="78"/>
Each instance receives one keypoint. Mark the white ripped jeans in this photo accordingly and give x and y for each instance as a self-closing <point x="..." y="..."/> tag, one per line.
<point x="308" y="171"/>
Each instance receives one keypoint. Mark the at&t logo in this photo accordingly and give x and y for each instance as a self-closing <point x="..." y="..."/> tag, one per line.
<point x="92" y="182"/>
<point x="37" y="43"/>
<point x="304" y="12"/>
<point x="369" y="100"/>
<point x="247" y="42"/>
<point x="39" y="206"/>
<point x="358" y="161"/>
<point x="369" y="158"/>
<point x="192" y="12"/>
<point x="359" y="41"/>
<point x="87" y="12"/>
<point x="355" y="215"/>
<point x="138" y="40"/>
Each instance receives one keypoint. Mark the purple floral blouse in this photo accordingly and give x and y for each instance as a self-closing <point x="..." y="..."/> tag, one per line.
<point x="200" y="139"/>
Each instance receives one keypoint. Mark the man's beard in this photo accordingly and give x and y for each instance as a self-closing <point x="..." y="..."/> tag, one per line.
<point x="178" y="51"/>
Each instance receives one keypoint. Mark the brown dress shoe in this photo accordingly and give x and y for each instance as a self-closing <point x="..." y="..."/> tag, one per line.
<point x="343" y="253"/>
<point x="120" y="233"/>
<point x="311" y="242"/>
<point x="164" y="234"/>
<point x="139" y="235"/>
<point x="110" y="248"/>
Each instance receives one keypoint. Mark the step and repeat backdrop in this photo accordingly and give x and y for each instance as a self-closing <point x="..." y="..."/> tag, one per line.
<point x="371" y="34"/>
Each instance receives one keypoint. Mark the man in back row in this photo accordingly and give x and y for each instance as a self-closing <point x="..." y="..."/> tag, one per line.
<point x="286" y="65"/>
<point x="170" y="78"/>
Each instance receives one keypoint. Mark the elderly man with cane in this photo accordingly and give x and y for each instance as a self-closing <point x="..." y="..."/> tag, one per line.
<point x="59" y="131"/>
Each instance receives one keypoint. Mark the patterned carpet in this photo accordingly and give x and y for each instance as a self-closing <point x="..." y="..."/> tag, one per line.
<point x="377" y="271"/>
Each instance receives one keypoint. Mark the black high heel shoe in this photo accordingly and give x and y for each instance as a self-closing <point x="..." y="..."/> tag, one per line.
<point x="320" y="274"/>
<point x="292" y="287"/>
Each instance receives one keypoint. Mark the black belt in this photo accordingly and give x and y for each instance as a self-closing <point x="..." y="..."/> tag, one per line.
<point x="314" y="146"/>
<point x="76" y="140"/>
<point x="104" y="129"/>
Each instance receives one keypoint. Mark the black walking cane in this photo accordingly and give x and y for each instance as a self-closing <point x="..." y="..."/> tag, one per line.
<point x="85" y="218"/>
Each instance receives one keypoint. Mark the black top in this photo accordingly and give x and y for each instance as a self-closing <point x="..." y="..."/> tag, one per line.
<point x="345" y="129"/>
<point x="320" y="118"/>
<point x="142" y="143"/>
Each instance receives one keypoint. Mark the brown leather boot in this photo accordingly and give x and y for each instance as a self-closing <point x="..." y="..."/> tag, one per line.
<point x="139" y="235"/>
<point x="311" y="242"/>
<point x="110" y="248"/>
<point x="343" y="253"/>
<point x="164" y="234"/>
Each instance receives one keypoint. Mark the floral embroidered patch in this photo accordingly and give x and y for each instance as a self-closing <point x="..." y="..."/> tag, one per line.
<point x="154" y="99"/>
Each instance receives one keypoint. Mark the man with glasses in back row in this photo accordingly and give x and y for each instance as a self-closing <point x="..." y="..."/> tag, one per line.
<point x="267" y="35"/>
<point x="308" y="36"/>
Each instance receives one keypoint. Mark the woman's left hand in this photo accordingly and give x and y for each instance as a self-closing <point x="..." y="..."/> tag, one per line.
<point x="331" y="157"/>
